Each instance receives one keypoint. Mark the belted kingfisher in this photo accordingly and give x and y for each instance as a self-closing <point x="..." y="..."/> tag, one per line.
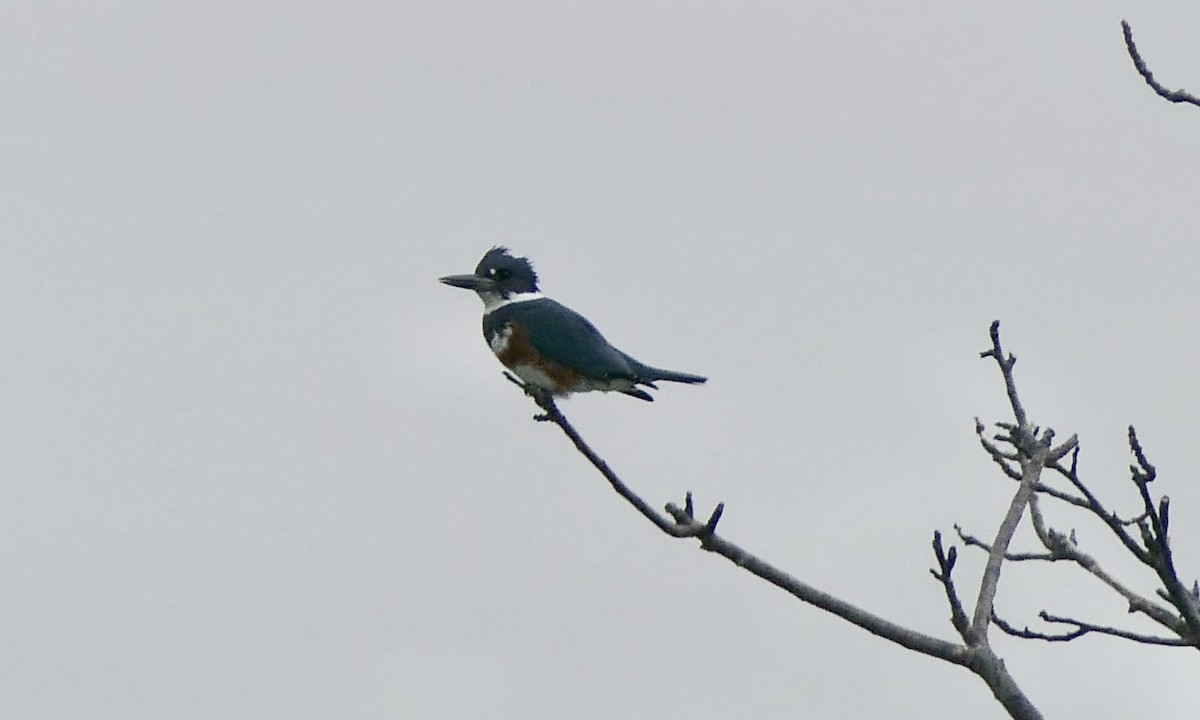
<point x="549" y="345"/>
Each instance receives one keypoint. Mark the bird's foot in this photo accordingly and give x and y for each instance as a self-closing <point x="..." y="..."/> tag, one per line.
<point x="542" y="397"/>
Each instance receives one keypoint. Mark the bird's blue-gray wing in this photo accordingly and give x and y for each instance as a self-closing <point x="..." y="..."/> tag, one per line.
<point x="563" y="336"/>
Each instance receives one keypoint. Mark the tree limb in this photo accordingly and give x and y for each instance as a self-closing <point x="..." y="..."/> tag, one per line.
<point x="1033" y="451"/>
<point x="975" y="655"/>
<point x="682" y="523"/>
<point x="1175" y="96"/>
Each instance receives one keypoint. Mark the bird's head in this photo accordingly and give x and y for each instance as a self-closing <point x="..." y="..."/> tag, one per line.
<point x="498" y="277"/>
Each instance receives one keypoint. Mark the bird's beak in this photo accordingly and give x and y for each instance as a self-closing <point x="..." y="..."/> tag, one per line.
<point x="470" y="282"/>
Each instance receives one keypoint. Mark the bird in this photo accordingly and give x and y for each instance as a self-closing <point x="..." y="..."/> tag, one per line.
<point x="546" y="344"/>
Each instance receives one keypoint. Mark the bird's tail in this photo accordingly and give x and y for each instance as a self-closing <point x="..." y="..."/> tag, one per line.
<point x="672" y="376"/>
<point x="647" y="375"/>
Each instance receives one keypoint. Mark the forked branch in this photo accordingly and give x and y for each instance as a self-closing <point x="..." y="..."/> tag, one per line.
<point x="1019" y="451"/>
<point x="1031" y="448"/>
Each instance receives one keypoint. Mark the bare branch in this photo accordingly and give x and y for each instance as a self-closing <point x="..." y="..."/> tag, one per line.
<point x="946" y="560"/>
<point x="1064" y="547"/>
<point x="1110" y="519"/>
<point x="1175" y="96"/>
<point x="975" y="655"/>
<point x="1083" y="628"/>
<point x="1144" y="471"/>
<point x="1041" y="487"/>
<point x="1028" y="634"/>
<point x="1031" y="467"/>
<point x="1001" y="458"/>
<point x="1158" y="545"/>
<point x="972" y="541"/>
<point x="1006" y="366"/>
<point x="553" y="415"/>
<point x="1034" y="451"/>
<point x="685" y="525"/>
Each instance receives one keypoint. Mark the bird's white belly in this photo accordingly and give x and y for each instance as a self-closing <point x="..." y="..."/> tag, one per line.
<point x="586" y="384"/>
<point x="534" y="375"/>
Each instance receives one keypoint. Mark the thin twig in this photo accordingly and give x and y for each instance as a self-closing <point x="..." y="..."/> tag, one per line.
<point x="1175" y="96"/>
<point x="1157" y="541"/>
<point x="972" y="541"/>
<point x="946" y="560"/>
<point x="546" y="402"/>
<point x="1110" y="519"/>
<point x="1083" y="628"/>
<point x="1006" y="366"/>
<point x="686" y="525"/>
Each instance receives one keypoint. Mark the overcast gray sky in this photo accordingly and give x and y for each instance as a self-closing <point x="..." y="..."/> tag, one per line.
<point x="256" y="462"/>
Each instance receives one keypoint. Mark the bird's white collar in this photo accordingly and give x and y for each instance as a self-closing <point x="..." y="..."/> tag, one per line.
<point x="493" y="301"/>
